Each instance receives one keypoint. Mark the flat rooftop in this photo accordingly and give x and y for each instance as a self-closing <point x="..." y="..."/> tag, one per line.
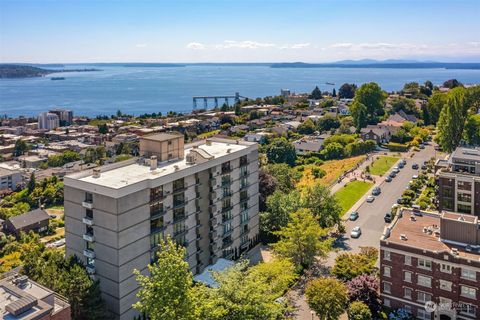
<point x="418" y="235"/>
<point x="470" y="154"/>
<point x="132" y="173"/>
<point x="161" y="136"/>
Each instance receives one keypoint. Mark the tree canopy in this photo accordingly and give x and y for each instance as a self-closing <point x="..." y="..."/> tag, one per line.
<point x="327" y="297"/>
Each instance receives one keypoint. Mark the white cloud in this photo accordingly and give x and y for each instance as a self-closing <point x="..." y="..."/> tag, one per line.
<point x="141" y="45"/>
<point x="196" y="46"/>
<point x="227" y="44"/>
<point x="300" y="45"/>
<point x="341" y="45"/>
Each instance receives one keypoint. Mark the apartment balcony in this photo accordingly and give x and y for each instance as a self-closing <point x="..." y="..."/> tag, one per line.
<point x="228" y="254"/>
<point x="243" y="162"/>
<point x="180" y="204"/>
<point x="245" y="244"/>
<point x="226" y="182"/>
<point x="226" y="194"/>
<point x="89" y="253"/>
<point x="90" y="269"/>
<point x="157" y="214"/>
<point x="88" y="237"/>
<point x="225" y="209"/>
<point x="227" y="232"/>
<point x="227" y="243"/>
<point x="244" y="186"/>
<point x="87" y="204"/>
<point x="88" y="221"/>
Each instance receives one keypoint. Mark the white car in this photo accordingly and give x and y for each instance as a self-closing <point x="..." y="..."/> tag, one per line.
<point x="415" y="177"/>
<point x="370" y="198"/>
<point x="356" y="232"/>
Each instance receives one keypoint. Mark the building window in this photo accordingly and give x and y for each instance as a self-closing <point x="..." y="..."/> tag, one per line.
<point x="156" y="225"/>
<point x="464" y="197"/>
<point x="179" y="227"/>
<point x="386" y="255"/>
<point x="226" y="204"/>
<point x="463" y="208"/>
<point x="179" y="214"/>
<point x="89" y="245"/>
<point x="425" y="264"/>
<point x="408" y="276"/>
<point x="178" y="184"/>
<point x="156" y="209"/>
<point x="243" y="183"/>
<point x="156" y="193"/>
<point x="468" y="309"/>
<point x="243" y="195"/>
<point x="386" y="271"/>
<point x="445" y="285"/>
<point x="469" y="274"/>
<point x="181" y="240"/>
<point x="227" y="227"/>
<point x="446" y="268"/>
<point x="424" y="281"/>
<point x="407" y="293"/>
<point x="387" y="287"/>
<point x="88" y="197"/>
<point x="423" y="296"/>
<point x="89" y="213"/>
<point x="227" y="216"/>
<point x="155" y="239"/>
<point x="244" y="216"/>
<point x="464" y="185"/>
<point x="386" y="302"/>
<point x="243" y="161"/>
<point x="468" y="292"/>
<point x="423" y="314"/>
<point x="226" y="167"/>
<point x="243" y="171"/>
<point x="178" y="199"/>
<point x="408" y="260"/>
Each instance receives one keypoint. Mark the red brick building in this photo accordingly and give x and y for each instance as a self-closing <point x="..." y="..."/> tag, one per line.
<point x="426" y="257"/>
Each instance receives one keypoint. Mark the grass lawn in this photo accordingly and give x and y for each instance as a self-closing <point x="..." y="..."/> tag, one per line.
<point x="335" y="168"/>
<point x="59" y="232"/>
<point x="382" y="165"/>
<point x="208" y="134"/>
<point x="349" y="195"/>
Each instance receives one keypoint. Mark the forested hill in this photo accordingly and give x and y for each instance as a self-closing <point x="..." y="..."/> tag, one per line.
<point x="24" y="71"/>
<point x="394" y="65"/>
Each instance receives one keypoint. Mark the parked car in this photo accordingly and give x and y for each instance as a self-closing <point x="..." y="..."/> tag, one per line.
<point x="392" y="174"/>
<point x="415" y="166"/>
<point x="404" y="161"/>
<point x="422" y="146"/>
<point x="424" y="167"/>
<point x="396" y="170"/>
<point x="388" y="217"/>
<point x="415" y="176"/>
<point x="388" y="179"/>
<point x="401" y="165"/>
<point x="376" y="191"/>
<point x="353" y="216"/>
<point x="356" y="232"/>
<point x="370" y="198"/>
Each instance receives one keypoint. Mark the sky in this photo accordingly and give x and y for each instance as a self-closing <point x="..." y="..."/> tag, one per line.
<point x="76" y="31"/>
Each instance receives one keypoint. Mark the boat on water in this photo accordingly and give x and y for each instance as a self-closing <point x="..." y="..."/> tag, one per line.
<point x="57" y="78"/>
<point x="330" y="83"/>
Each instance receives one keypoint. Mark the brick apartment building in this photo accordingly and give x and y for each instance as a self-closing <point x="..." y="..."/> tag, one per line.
<point x="430" y="257"/>
<point x="458" y="179"/>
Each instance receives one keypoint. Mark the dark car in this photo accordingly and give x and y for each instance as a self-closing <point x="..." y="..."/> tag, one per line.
<point x="353" y="216"/>
<point x="388" y="217"/>
<point x="376" y="191"/>
<point x="415" y="166"/>
<point x="401" y="165"/>
<point x="424" y="167"/>
<point x="392" y="174"/>
<point x="388" y="179"/>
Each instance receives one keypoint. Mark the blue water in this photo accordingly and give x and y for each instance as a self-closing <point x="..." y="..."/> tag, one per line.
<point x="137" y="90"/>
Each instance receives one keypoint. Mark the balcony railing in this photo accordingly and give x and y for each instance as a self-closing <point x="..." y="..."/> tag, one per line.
<point x="89" y="253"/>
<point x="87" y="204"/>
<point x="88" y="221"/>
<point x="90" y="269"/>
<point x="88" y="237"/>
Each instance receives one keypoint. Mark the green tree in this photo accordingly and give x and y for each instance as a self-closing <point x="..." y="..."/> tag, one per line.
<point x="433" y="108"/>
<point x="327" y="297"/>
<point x="286" y="176"/>
<point x="452" y="120"/>
<point x="279" y="208"/>
<point x="358" y="310"/>
<point x="103" y="128"/>
<point x="307" y="127"/>
<point x="372" y="97"/>
<point x="359" y="114"/>
<point x="19" y="148"/>
<point x="347" y="91"/>
<point x="164" y="294"/>
<point x="350" y="265"/>
<point x="333" y="150"/>
<point x="281" y="151"/>
<point x="31" y="182"/>
<point x="322" y="204"/>
<point x="328" y="123"/>
<point x="452" y="83"/>
<point x="316" y="94"/>
<point x="472" y="129"/>
<point x="300" y="240"/>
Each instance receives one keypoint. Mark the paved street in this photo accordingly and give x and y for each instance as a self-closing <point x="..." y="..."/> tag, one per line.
<point x="371" y="217"/>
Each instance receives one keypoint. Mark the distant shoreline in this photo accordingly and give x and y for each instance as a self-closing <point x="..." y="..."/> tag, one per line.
<point x="12" y="71"/>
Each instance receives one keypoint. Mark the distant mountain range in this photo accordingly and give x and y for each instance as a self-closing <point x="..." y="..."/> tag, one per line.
<point x="392" y="64"/>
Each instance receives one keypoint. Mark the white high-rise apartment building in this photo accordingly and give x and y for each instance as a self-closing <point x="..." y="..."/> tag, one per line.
<point x="47" y="120"/>
<point x="204" y="195"/>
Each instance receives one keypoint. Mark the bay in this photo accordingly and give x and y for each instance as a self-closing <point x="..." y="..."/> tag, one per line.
<point x="138" y="90"/>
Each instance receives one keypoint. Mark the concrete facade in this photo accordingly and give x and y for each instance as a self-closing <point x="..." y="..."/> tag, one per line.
<point x="207" y="201"/>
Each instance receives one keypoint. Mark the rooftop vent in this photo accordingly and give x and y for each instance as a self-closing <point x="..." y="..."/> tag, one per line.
<point x="455" y="251"/>
<point x="403" y="237"/>
<point x="96" y="173"/>
<point x="176" y="167"/>
<point x="21" y="281"/>
<point x="21" y="305"/>
<point x="229" y="150"/>
<point x="153" y="162"/>
<point x="461" y="218"/>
